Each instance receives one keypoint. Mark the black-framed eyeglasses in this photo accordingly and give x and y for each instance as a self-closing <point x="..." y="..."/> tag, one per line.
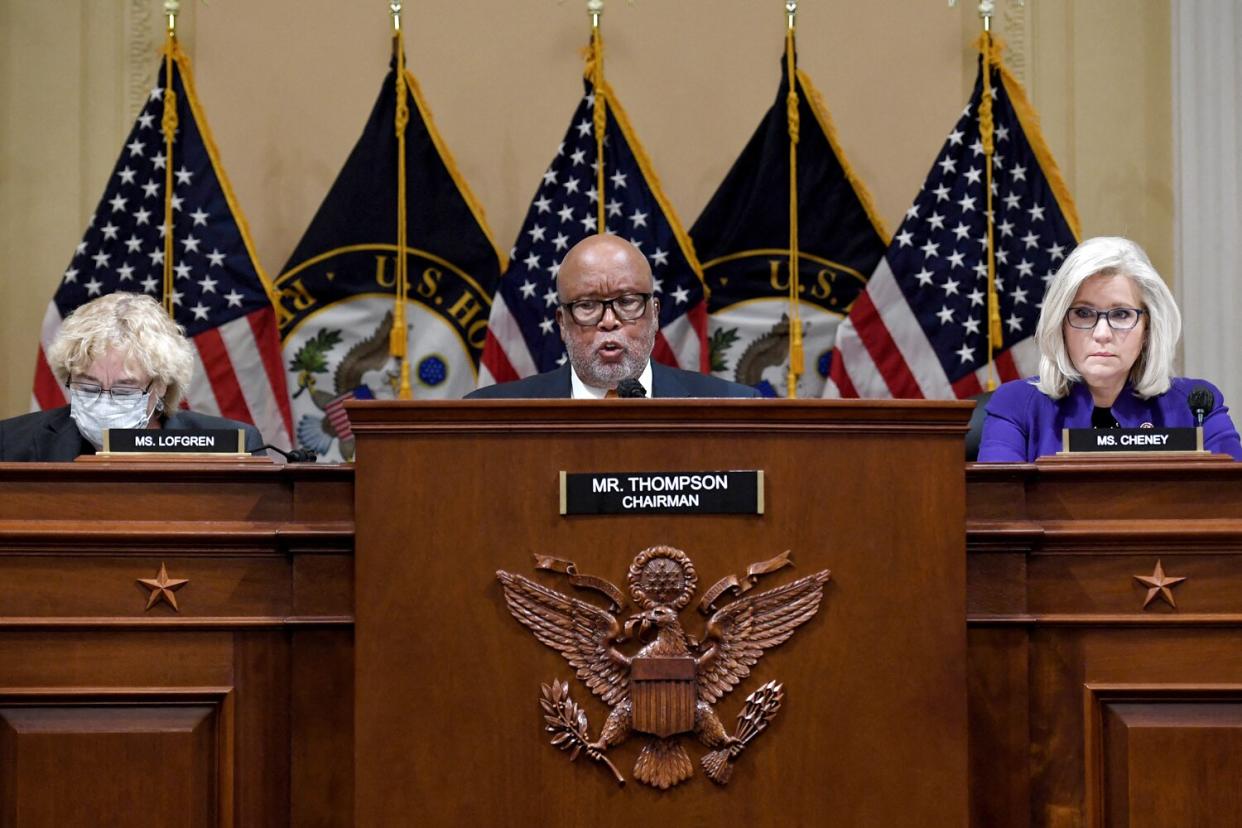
<point x="1119" y="319"/>
<point x="627" y="307"/>
<point x="92" y="391"/>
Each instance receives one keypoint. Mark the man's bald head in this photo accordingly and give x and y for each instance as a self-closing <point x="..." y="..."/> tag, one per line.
<point x="603" y="269"/>
<point x="600" y="254"/>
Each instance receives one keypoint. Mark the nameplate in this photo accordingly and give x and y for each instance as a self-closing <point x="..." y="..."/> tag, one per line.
<point x="174" y="441"/>
<point x="680" y="493"/>
<point x="1147" y="440"/>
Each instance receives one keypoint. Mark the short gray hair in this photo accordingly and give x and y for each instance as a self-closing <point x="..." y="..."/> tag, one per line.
<point x="1152" y="373"/>
<point x="138" y="327"/>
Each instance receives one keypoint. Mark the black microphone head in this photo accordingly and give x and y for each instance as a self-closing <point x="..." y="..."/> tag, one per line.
<point x="1201" y="399"/>
<point x="631" y="388"/>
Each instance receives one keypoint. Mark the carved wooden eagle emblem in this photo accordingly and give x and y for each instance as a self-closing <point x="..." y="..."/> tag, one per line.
<point x="668" y="686"/>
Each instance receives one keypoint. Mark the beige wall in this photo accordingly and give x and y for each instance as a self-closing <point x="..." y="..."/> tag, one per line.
<point x="287" y="85"/>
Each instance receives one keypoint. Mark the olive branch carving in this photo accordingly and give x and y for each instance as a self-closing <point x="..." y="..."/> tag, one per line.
<point x="567" y="722"/>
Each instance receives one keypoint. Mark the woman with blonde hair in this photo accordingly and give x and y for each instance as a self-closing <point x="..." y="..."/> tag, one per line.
<point x="1107" y="335"/>
<point x="126" y="365"/>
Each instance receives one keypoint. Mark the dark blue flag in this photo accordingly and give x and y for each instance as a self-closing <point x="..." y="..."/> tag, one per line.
<point x="338" y="289"/>
<point x="742" y="238"/>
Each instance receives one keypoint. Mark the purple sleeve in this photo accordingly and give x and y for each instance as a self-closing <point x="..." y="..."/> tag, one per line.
<point x="1219" y="434"/>
<point x="1006" y="428"/>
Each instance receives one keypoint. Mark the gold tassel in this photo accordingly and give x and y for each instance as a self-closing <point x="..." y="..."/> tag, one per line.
<point x="168" y="124"/>
<point x="995" y="334"/>
<point x="396" y="338"/>
<point x="600" y="117"/>
<point x="795" y="316"/>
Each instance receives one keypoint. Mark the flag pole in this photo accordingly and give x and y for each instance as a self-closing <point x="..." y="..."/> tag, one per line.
<point x="795" y="287"/>
<point x="168" y="125"/>
<point x="397" y="337"/>
<point x="595" y="8"/>
<point x="987" y="8"/>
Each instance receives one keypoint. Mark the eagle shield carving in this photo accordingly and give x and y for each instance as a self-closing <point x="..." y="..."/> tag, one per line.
<point x="669" y="686"/>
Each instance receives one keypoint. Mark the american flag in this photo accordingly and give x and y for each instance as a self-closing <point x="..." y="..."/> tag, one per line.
<point x="921" y="327"/>
<point x="218" y="294"/>
<point x="522" y="337"/>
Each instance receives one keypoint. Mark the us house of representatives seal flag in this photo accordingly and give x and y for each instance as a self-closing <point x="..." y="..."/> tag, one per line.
<point x="743" y="240"/>
<point x="338" y="290"/>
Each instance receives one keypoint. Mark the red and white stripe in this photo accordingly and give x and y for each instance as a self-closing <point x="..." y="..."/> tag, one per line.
<point x="238" y="374"/>
<point x="882" y="352"/>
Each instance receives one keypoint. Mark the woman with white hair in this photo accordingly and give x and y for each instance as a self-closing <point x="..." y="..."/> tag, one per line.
<point x="1106" y="336"/>
<point x="126" y="365"/>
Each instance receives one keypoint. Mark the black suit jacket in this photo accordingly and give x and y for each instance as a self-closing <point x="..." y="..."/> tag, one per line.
<point x="665" y="382"/>
<point x="52" y="436"/>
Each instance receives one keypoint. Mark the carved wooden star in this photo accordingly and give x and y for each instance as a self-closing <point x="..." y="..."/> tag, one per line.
<point x="162" y="588"/>
<point x="1158" y="584"/>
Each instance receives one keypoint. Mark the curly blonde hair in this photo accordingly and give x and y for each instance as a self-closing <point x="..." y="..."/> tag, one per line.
<point x="134" y="325"/>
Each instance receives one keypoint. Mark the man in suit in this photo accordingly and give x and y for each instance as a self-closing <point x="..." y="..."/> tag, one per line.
<point x="608" y="318"/>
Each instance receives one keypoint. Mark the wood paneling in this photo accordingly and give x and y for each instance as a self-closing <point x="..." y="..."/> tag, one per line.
<point x="102" y="758"/>
<point x="1173" y="758"/>
<point x="108" y="714"/>
<point x="873" y="731"/>
<point x="1086" y="708"/>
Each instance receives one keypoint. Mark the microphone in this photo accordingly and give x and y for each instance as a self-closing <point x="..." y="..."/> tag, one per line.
<point x="631" y="388"/>
<point x="1201" y="401"/>
<point x="296" y="456"/>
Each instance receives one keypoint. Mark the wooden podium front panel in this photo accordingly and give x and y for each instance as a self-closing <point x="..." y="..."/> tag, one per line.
<point x="233" y="709"/>
<point x="449" y="730"/>
<point x="1089" y="705"/>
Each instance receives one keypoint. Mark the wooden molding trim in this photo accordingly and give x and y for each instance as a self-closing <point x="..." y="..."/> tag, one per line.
<point x="1223" y="619"/>
<point x="1097" y="695"/>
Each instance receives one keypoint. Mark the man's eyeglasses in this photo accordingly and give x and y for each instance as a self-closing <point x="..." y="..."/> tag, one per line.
<point x="626" y="307"/>
<point x="1119" y="319"/>
<point x="92" y="391"/>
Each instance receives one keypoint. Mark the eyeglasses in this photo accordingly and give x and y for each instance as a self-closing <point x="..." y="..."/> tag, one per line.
<point x="118" y="393"/>
<point x="626" y="307"/>
<point x="1119" y="319"/>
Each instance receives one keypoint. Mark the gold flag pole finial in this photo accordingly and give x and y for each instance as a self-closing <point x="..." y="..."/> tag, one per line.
<point x="397" y="337"/>
<point x="595" y="8"/>
<point x="168" y="126"/>
<point x="796" y="356"/>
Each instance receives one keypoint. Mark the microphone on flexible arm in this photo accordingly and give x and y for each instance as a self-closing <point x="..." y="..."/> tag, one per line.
<point x="1201" y="401"/>
<point x="297" y="455"/>
<point x="631" y="388"/>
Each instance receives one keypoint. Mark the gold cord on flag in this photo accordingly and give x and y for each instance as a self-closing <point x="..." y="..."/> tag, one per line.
<point x="168" y="125"/>
<point x="601" y="104"/>
<point x="795" y="287"/>
<point x="995" y="334"/>
<point x="397" y="337"/>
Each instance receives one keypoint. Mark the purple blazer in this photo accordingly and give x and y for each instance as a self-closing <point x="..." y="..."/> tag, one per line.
<point x="1023" y="423"/>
